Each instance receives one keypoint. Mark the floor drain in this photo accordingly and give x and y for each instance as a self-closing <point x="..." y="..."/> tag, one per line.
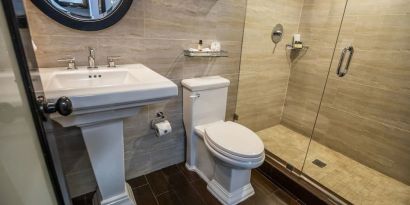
<point x="319" y="163"/>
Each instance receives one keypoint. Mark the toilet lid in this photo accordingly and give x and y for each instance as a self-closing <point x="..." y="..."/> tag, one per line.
<point x="235" y="139"/>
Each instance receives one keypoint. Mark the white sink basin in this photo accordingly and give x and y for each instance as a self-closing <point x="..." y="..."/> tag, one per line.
<point x="68" y="80"/>
<point x="125" y="84"/>
<point x="101" y="99"/>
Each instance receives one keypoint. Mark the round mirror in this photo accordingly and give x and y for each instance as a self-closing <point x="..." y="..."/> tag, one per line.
<point x="89" y="15"/>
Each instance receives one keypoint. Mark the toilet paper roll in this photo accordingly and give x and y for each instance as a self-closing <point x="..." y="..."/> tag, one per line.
<point x="162" y="128"/>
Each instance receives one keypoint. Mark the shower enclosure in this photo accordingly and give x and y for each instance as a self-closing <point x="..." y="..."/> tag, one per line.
<point x="338" y="110"/>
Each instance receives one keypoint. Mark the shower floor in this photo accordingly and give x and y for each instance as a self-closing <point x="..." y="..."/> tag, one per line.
<point x="350" y="179"/>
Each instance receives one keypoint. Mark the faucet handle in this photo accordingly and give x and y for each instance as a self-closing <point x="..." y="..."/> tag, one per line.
<point x="71" y="62"/>
<point x="111" y="60"/>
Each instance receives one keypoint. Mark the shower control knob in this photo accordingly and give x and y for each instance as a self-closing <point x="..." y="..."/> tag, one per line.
<point x="63" y="106"/>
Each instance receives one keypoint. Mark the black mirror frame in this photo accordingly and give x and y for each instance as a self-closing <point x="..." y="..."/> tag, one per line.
<point x="84" y="25"/>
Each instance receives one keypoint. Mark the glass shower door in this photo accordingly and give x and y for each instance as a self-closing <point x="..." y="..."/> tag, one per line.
<point x="360" y="147"/>
<point x="319" y="25"/>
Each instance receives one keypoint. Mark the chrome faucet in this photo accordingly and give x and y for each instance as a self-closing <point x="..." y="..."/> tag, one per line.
<point x="91" y="58"/>
<point x="71" y="62"/>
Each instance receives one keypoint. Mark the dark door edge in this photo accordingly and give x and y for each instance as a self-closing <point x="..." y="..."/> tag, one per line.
<point x="19" y="52"/>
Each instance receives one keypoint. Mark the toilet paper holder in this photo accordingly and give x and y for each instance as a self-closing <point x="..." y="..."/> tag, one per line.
<point x="159" y="117"/>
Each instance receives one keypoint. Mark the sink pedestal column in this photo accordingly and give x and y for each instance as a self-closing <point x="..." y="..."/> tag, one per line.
<point x="105" y="147"/>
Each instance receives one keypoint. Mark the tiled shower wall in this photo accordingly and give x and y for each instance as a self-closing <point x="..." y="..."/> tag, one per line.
<point x="364" y="115"/>
<point x="265" y="71"/>
<point x="319" y="26"/>
<point x="155" y="33"/>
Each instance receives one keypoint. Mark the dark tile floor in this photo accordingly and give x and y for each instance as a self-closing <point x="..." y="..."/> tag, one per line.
<point x="177" y="185"/>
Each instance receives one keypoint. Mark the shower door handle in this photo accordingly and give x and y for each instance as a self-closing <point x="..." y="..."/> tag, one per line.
<point x="342" y="72"/>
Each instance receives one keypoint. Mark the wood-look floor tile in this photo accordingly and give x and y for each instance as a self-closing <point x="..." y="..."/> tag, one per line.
<point x="282" y="196"/>
<point x="259" y="198"/>
<point x="137" y="182"/>
<point x="188" y="195"/>
<point x="170" y="186"/>
<point x="189" y="175"/>
<point x="144" y="196"/>
<point x="169" y="198"/>
<point x="80" y="200"/>
<point x="201" y="187"/>
<point x="88" y="198"/>
<point x="158" y="182"/>
<point x="260" y="181"/>
<point x="179" y="184"/>
<point x="170" y="170"/>
<point x="176" y="180"/>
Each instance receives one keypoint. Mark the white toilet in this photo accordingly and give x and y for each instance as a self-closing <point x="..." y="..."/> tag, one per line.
<point x="222" y="153"/>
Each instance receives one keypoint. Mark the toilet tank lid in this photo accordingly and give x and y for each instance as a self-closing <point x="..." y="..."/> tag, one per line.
<point x="205" y="83"/>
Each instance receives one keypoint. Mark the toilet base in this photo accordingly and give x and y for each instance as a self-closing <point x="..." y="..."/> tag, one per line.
<point x="228" y="198"/>
<point x="198" y="171"/>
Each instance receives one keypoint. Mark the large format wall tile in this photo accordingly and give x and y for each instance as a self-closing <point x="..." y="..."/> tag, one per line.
<point x="63" y="47"/>
<point x="264" y="73"/>
<point x="155" y="33"/>
<point x="384" y="106"/>
<point x="319" y="26"/>
<point x="130" y="50"/>
<point x="365" y="114"/>
<point x="305" y="88"/>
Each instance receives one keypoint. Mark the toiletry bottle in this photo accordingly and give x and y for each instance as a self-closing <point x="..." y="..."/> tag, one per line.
<point x="297" y="43"/>
<point x="200" y="45"/>
<point x="215" y="46"/>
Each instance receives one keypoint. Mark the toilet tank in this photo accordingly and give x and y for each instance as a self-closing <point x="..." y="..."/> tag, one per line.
<point x="204" y="101"/>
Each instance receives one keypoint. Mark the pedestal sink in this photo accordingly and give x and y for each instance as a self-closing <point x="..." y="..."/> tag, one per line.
<point x="101" y="99"/>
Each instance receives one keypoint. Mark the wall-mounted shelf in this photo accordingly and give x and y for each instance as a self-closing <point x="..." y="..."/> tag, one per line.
<point x="290" y="47"/>
<point x="205" y="53"/>
<point x="294" y="54"/>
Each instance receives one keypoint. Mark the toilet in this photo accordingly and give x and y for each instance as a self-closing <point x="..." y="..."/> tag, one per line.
<point x="221" y="152"/>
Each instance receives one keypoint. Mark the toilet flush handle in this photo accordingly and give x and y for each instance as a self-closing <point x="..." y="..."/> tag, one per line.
<point x="195" y="96"/>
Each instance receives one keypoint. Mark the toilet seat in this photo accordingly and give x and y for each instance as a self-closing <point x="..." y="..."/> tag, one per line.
<point x="234" y="140"/>
<point x="230" y="157"/>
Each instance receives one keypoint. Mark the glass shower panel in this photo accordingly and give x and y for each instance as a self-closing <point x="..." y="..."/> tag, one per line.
<point x="360" y="147"/>
<point x="265" y="70"/>
<point x="319" y="25"/>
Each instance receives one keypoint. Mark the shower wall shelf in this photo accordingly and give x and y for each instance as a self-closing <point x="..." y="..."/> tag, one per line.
<point x="205" y="53"/>
<point x="294" y="54"/>
<point x="290" y="47"/>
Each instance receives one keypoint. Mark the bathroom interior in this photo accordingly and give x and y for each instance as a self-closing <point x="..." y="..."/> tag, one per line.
<point x="205" y="102"/>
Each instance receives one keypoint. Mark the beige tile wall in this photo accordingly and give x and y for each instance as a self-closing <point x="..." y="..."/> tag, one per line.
<point x="319" y="26"/>
<point x="153" y="32"/>
<point x="366" y="114"/>
<point x="264" y="74"/>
